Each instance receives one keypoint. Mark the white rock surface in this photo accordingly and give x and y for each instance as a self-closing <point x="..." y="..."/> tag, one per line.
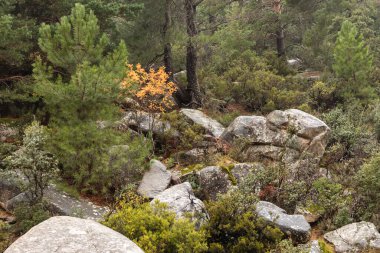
<point x="180" y="199"/>
<point x="62" y="234"/>
<point x="198" y="117"/>
<point x="155" y="181"/>
<point x="294" y="225"/>
<point x="355" y="237"/>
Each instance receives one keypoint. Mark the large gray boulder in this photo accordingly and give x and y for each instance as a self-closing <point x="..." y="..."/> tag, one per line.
<point x="9" y="189"/>
<point x="155" y="180"/>
<point x="292" y="137"/>
<point x="64" y="234"/>
<point x="295" y="226"/>
<point x="144" y="122"/>
<point x="213" y="181"/>
<point x="7" y="133"/>
<point x="355" y="237"/>
<point x="64" y="204"/>
<point x="241" y="170"/>
<point x="61" y="203"/>
<point x="212" y="126"/>
<point x="181" y="200"/>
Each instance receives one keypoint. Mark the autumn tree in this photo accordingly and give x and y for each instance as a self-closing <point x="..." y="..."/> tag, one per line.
<point x="151" y="89"/>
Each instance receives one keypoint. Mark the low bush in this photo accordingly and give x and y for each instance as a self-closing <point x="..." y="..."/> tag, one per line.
<point x="155" y="228"/>
<point x="368" y="189"/>
<point x="30" y="215"/>
<point x="234" y="227"/>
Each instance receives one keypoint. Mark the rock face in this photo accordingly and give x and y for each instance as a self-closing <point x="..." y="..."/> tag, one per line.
<point x="8" y="190"/>
<point x="355" y="237"/>
<point x="155" y="181"/>
<point x="180" y="199"/>
<point x="59" y="202"/>
<point x="290" y="137"/>
<point x="212" y="126"/>
<point x="193" y="156"/>
<point x="213" y="181"/>
<point x="294" y="225"/>
<point x="144" y="122"/>
<point x="63" y="234"/>
<point x="63" y="204"/>
<point x="7" y="134"/>
<point x="241" y="170"/>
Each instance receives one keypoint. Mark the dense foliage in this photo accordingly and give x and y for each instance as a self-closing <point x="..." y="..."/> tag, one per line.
<point x="155" y="228"/>
<point x="70" y="69"/>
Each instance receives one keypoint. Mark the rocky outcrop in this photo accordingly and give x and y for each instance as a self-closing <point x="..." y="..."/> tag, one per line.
<point x="144" y="122"/>
<point x="355" y="237"/>
<point x="293" y="225"/>
<point x="63" y="204"/>
<point x="155" y="181"/>
<point x="193" y="156"/>
<point x="213" y="181"/>
<point x="241" y="170"/>
<point x="68" y="235"/>
<point x="8" y="189"/>
<point x="7" y="133"/>
<point x="290" y="137"/>
<point x="210" y="125"/>
<point x="58" y="201"/>
<point x="180" y="199"/>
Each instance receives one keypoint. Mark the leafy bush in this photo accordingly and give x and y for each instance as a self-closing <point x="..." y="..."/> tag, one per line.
<point x="271" y="185"/>
<point x="368" y="189"/>
<point x="234" y="227"/>
<point x="36" y="164"/>
<point x="286" y="246"/>
<point x="30" y="215"/>
<point x="249" y="81"/>
<point x="155" y="229"/>
<point x="5" y="235"/>
<point x="190" y="135"/>
<point x="95" y="162"/>
<point x="5" y="150"/>
<point x="343" y="129"/>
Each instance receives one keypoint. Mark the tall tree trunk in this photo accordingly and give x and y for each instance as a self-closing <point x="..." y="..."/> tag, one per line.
<point x="280" y="41"/>
<point x="280" y="36"/>
<point x="193" y="88"/>
<point x="168" y="59"/>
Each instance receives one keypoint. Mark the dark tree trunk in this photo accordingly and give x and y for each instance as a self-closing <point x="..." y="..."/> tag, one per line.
<point x="280" y="36"/>
<point x="191" y="55"/>
<point x="168" y="59"/>
<point x="280" y="41"/>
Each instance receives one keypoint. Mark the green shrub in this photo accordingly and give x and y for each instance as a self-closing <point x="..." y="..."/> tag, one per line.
<point x="343" y="129"/>
<point x="286" y="246"/>
<point x="36" y="164"/>
<point x="155" y="229"/>
<point x="368" y="190"/>
<point x="322" y="95"/>
<point x="30" y="215"/>
<point x="327" y="196"/>
<point x="249" y="80"/>
<point x="234" y="227"/>
<point x="5" y="236"/>
<point x="99" y="161"/>
<point x="190" y="134"/>
<point x="5" y="150"/>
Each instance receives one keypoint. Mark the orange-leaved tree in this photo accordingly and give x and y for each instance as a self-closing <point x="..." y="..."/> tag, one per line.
<point x="152" y="89"/>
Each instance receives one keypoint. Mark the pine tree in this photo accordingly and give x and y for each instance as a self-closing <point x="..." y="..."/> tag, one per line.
<point x="15" y="39"/>
<point x="352" y="60"/>
<point x="79" y="85"/>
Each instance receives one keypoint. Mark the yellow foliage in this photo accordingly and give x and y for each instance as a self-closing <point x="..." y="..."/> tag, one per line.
<point x="151" y="89"/>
